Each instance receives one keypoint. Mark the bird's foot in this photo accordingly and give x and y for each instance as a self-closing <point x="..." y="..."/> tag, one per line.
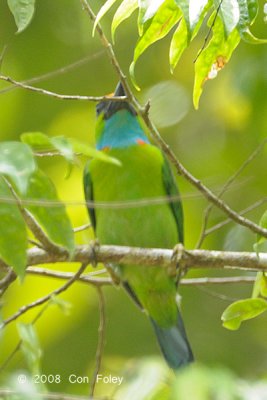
<point x="179" y="270"/>
<point x="94" y="246"/>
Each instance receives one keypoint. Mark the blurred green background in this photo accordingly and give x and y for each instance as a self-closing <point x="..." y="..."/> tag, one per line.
<point x="211" y="142"/>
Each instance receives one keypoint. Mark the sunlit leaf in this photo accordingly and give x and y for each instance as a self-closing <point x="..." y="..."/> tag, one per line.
<point x="52" y="217"/>
<point x="103" y="10"/>
<point x="242" y="310"/>
<point x="214" y="57"/>
<point x="162" y="22"/>
<point x="178" y="44"/>
<point x="64" y="147"/>
<point x="37" y="140"/>
<point x="147" y="9"/>
<point x="17" y="163"/>
<point x="30" y="346"/>
<point x="229" y="13"/>
<point x="124" y="11"/>
<point x="22" y="11"/>
<point x="13" y="234"/>
<point x="197" y="11"/>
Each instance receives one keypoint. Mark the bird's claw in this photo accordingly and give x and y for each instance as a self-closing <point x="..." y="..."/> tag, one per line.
<point x="94" y="246"/>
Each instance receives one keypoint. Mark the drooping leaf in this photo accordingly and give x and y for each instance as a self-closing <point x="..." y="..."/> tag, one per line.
<point x="13" y="234"/>
<point x="17" y="163"/>
<point x="103" y="10"/>
<point x="214" y="57"/>
<point x="242" y="310"/>
<point x="178" y="44"/>
<point x="22" y="11"/>
<point x="147" y="9"/>
<point x="64" y="305"/>
<point x="52" y="217"/>
<point x="197" y="11"/>
<point x="30" y="346"/>
<point x="80" y="147"/>
<point x="63" y="145"/>
<point x="229" y="13"/>
<point x="37" y="140"/>
<point x="248" y="12"/>
<point x="162" y="22"/>
<point x="67" y="147"/>
<point x="124" y="11"/>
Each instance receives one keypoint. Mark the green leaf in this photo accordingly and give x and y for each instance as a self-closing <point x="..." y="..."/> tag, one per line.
<point x="80" y="147"/>
<point x="52" y="217"/>
<point x="30" y="346"/>
<point x="229" y="13"/>
<point x="103" y="10"/>
<point x="63" y="305"/>
<point x="37" y="140"/>
<point x="67" y="147"/>
<point x="162" y="22"/>
<point x="124" y="11"/>
<point x="248" y="13"/>
<point x="242" y="310"/>
<point x="197" y="11"/>
<point x="147" y="9"/>
<point x="22" y="11"/>
<point x="63" y="145"/>
<point x="214" y="57"/>
<point x="178" y="44"/>
<point x="17" y="163"/>
<point x="13" y="233"/>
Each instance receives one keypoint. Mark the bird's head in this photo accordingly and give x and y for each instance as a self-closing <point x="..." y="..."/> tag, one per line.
<point x="117" y="125"/>
<point x="106" y="109"/>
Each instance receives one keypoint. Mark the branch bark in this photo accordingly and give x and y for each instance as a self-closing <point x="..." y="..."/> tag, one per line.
<point x="190" y="259"/>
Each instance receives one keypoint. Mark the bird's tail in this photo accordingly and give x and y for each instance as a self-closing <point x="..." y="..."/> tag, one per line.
<point x="174" y="344"/>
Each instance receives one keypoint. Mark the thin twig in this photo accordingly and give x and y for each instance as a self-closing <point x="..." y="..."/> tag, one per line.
<point x="56" y="72"/>
<point x="61" y="96"/>
<point x="228" y="183"/>
<point x="228" y="220"/>
<point x="209" y="32"/>
<point x="101" y="339"/>
<point x="44" y="299"/>
<point x="82" y="228"/>
<point x="89" y="279"/>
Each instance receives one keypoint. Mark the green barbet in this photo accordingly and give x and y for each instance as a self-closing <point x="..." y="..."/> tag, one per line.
<point x="144" y="174"/>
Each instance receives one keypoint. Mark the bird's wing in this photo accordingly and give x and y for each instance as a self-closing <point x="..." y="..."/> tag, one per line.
<point x="89" y="194"/>
<point x="172" y="190"/>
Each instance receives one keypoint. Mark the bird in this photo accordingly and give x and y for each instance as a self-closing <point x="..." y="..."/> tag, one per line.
<point x="143" y="173"/>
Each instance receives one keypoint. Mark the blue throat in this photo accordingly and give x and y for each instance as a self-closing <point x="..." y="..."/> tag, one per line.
<point x="121" y="130"/>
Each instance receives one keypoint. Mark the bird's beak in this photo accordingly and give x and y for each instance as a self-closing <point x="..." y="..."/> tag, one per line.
<point x="119" y="91"/>
<point x="109" y="108"/>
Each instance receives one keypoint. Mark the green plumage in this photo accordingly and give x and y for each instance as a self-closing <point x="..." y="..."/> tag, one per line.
<point x="144" y="175"/>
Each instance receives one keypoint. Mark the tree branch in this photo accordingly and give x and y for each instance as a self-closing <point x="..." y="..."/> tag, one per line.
<point x="191" y="259"/>
<point x="61" y="96"/>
